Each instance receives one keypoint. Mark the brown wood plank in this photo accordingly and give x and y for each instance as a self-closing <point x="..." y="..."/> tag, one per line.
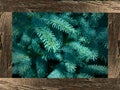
<point x="5" y="30"/>
<point x="61" y="6"/>
<point x="114" y="47"/>
<point x="59" y="84"/>
<point x="0" y="39"/>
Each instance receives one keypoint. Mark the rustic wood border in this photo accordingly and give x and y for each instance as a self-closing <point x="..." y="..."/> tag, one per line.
<point x="59" y="84"/>
<point x="113" y="59"/>
<point x="6" y="42"/>
<point x="113" y="52"/>
<point x="114" y="46"/>
<point x="60" y="6"/>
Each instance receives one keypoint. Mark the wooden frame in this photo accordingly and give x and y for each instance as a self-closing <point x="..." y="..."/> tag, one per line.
<point x="59" y="84"/>
<point x="111" y="7"/>
<point x="60" y="6"/>
<point x="113" y="53"/>
<point x="6" y="54"/>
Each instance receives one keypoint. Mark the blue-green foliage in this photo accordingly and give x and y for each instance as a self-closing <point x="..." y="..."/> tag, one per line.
<point x="59" y="45"/>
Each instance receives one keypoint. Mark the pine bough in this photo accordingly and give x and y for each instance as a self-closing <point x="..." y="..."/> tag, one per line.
<point x="59" y="45"/>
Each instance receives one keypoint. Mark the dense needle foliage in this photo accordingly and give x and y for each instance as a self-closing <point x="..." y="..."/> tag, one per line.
<point x="59" y="45"/>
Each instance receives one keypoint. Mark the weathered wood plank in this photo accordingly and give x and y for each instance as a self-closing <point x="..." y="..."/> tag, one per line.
<point x="61" y="6"/>
<point x="5" y="29"/>
<point x="59" y="84"/>
<point x="0" y="39"/>
<point x="114" y="53"/>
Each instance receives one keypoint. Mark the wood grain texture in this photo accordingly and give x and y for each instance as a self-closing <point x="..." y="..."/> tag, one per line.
<point x="113" y="53"/>
<point x="0" y="39"/>
<point x="59" y="84"/>
<point x="6" y="57"/>
<point x="61" y="6"/>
